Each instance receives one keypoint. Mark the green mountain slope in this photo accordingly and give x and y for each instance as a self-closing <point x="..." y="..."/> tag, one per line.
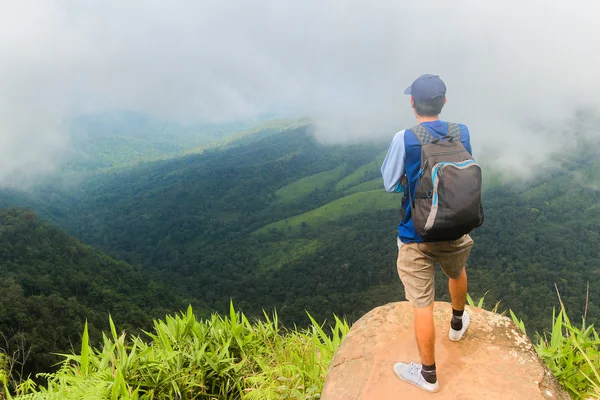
<point x="296" y="190"/>
<point x="285" y="222"/>
<point x="357" y="203"/>
<point x="122" y="139"/>
<point x="51" y="284"/>
<point x="365" y="186"/>
<point x="362" y="174"/>
<point x="204" y="198"/>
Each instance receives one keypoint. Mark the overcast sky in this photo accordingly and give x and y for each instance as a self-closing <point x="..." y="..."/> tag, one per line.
<point x="509" y="66"/>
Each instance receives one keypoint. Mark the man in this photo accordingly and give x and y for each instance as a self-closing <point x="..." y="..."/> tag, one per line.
<point x="417" y="257"/>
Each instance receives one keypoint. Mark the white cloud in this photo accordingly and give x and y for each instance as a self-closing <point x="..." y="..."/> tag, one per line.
<point x="508" y="66"/>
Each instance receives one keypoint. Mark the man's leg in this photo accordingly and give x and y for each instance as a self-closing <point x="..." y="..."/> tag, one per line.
<point x="453" y="257"/>
<point x="460" y="320"/>
<point x="416" y="272"/>
<point x="425" y="332"/>
<point x="458" y="291"/>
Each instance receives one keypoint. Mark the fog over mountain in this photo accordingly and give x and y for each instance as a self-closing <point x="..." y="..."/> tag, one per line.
<point x="517" y="71"/>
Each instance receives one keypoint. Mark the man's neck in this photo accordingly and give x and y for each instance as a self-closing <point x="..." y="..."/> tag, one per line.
<point x="427" y="119"/>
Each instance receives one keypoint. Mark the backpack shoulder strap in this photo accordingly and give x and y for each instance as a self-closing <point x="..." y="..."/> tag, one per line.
<point x="422" y="134"/>
<point x="453" y="130"/>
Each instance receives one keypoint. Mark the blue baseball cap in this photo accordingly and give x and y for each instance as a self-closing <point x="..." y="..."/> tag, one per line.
<point x="426" y="88"/>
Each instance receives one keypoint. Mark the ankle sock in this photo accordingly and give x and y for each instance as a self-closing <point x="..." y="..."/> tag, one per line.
<point x="456" y="322"/>
<point x="429" y="373"/>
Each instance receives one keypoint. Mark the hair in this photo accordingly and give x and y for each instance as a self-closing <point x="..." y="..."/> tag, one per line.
<point x="430" y="109"/>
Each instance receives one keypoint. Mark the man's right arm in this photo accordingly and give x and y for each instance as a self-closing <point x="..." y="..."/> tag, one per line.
<point x="392" y="168"/>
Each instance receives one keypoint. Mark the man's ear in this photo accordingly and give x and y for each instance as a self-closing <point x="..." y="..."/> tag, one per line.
<point x="412" y="102"/>
<point x="445" y="99"/>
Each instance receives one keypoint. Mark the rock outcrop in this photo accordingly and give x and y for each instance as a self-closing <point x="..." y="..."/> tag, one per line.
<point x="495" y="360"/>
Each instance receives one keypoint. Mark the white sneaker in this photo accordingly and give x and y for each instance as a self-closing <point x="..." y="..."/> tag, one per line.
<point x="455" y="336"/>
<point x="411" y="373"/>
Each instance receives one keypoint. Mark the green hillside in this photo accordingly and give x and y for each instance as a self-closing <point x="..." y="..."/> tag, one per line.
<point x="275" y="254"/>
<point x="353" y="204"/>
<point x="123" y="139"/>
<point x="365" y="186"/>
<point x="51" y="284"/>
<point x="295" y="191"/>
<point x="282" y="221"/>
<point x="364" y="173"/>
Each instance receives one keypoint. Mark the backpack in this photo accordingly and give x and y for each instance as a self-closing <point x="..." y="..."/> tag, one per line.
<point x="447" y="199"/>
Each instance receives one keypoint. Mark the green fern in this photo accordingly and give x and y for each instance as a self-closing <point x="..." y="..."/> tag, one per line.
<point x="573" y="355"/>
<point x="185" y="358"/>
<point x="232" y="358"/>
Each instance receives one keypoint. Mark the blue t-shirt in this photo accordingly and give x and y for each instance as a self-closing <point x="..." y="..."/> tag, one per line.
<point x="404" y="157"/>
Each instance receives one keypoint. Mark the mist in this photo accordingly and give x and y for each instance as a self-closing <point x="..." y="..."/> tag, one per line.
<point x="517" y="72"/>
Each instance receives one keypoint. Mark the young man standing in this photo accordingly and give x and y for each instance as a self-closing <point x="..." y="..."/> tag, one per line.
<point x="417" y="257"/>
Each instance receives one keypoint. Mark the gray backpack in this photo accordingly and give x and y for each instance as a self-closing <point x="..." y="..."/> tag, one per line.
<point x="447" y="200"/>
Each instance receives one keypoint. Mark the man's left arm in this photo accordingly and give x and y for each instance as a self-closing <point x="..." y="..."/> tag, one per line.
<point x="465" y="138"/>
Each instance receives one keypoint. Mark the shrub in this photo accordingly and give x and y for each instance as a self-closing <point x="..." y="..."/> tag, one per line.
<point x="186" y="358"/>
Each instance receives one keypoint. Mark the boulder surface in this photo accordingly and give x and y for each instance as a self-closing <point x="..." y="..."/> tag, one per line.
<point x="494" y="360"/>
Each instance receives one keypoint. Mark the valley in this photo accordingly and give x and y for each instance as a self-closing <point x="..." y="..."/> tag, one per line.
<point x="283" y="222"/>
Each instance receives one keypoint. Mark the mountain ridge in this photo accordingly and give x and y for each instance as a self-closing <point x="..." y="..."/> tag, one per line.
<point x="190" y="221"/>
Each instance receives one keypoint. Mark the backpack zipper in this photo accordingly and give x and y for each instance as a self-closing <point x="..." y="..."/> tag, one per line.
<point x="437" y="169"/>
<point x="459" y="164"/>
<point x="442" y="154"/>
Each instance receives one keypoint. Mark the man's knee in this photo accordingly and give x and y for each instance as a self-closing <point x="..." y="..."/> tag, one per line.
<point x="455" y="275"/>
<point x="422" y="303"/>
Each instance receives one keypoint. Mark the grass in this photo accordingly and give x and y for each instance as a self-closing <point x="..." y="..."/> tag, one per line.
<point x="365" y="186"/>
<point x="302" y="187"/>
<point x="362" y="174"/>
<point x="285" y="251"/>
<point x="233" y="358"/>
<point x="572" y="354"/>
<point x="353" y="204"/>
<point x="186" y="358"/>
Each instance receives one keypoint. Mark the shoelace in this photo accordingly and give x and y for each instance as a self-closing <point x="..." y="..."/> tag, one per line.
<point x="414" y="369"/>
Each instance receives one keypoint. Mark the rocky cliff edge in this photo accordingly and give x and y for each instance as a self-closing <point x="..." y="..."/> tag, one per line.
<point x="494" y="360"/>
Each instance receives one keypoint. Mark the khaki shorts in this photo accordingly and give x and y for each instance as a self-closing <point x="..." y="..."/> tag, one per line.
<point x="416" y="262"/>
